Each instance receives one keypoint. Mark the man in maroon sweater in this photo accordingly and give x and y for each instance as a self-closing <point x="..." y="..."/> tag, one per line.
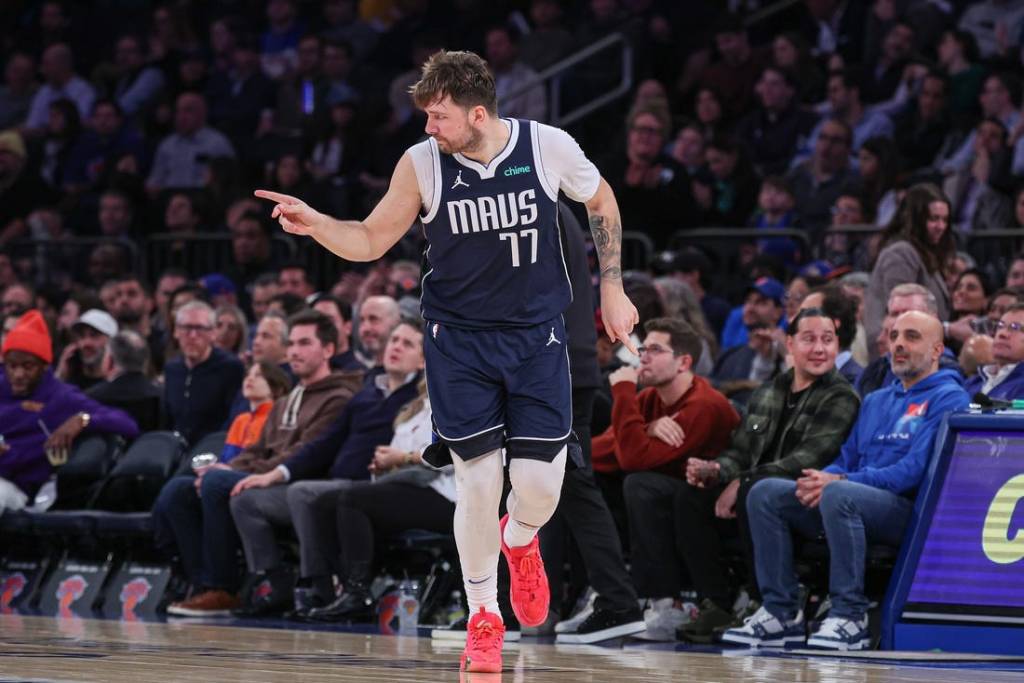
<point x="677" y="416"/>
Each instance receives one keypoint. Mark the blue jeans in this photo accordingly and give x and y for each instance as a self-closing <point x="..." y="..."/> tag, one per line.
<point x="850" y="515"/>
<point x="201" y="526"/>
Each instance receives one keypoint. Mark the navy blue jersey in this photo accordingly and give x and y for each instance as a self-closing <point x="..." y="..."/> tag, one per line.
<point x="495" y="255"/>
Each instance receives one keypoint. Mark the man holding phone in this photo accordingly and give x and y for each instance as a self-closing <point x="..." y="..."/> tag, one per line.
<point x="81" y="362"/>
<point x="742" y="369"/>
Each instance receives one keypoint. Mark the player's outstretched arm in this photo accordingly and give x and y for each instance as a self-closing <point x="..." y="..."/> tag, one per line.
<point x="617" y="312"/>
<point x="365" y="240"/>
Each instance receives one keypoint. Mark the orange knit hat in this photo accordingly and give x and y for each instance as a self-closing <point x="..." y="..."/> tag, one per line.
<point x="30" y="335"/>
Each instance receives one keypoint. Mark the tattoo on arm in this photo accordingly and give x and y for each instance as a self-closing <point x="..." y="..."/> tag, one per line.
<point x="608" y="242"/>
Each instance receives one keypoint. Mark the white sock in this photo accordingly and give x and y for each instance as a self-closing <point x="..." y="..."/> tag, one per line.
<point x="478" y="483"/>
<point x="518" y="534"/>
<point x="482" y="592"/>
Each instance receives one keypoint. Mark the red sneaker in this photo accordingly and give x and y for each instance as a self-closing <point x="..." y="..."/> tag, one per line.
<point x="529" y="595"/>
<point x="485" y="636"/>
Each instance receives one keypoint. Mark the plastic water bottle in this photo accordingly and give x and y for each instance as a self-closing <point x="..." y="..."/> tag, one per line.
<point x="454" y="611"/>
<point x="408" y="606"/>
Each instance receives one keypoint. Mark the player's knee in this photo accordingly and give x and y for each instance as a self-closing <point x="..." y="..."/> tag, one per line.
<point x="536" y="483"/>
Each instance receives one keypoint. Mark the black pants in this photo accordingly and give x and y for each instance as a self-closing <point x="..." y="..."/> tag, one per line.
<point x="370" y="512"/>
<point x="700" y="533"/>
<point x="583" y="513"/>
<point x="657" y="562"/>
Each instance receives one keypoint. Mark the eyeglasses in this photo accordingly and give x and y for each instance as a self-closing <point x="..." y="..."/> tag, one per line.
<point x="836" y="139"/>
<point x="194" y="329"/>
<point x="654" y="349"/>
<point x="647" y="130"/>
<point x="1009" y="327"/>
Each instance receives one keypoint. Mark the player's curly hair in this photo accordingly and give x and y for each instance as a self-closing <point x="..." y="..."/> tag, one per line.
<point x="462" y="76"/>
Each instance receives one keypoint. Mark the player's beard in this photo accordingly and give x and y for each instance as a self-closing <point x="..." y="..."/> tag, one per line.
<point x="471" y="143"/>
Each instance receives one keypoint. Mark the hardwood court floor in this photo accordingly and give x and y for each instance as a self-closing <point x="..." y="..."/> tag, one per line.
<point x="44" y="649"/>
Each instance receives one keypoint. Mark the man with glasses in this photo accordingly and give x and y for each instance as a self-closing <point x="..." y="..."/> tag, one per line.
<point x="678" y="415"/>
<point x="200" y="384"/>
<point x="1005" y="377"/>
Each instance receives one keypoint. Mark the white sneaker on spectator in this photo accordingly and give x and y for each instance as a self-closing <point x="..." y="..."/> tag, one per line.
<point x="662" y="619"/>
<point x="837" y="633"/>
<point x="584" y="608"/>
<point x="765" y="630"/>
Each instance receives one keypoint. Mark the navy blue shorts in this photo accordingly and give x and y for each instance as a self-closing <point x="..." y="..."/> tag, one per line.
<point x="499" y="388"/>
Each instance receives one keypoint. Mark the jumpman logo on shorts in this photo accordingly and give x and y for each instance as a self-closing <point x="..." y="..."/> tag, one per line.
<point x="552" y="339"/>
<point x="459" y="182"/>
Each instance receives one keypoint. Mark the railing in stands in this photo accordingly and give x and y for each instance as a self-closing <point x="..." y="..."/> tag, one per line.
<point x="1002" y="235"/>
<point x="637" y="250"/>
<point x="769" y="11"/>
<point x="73" y="257"/>
<point x="78" y="257"/>
<point x="204" y="253"/>
<point x="551" y="78"/>
<point x="861" y="229"/>
<point x="700" y="236"/>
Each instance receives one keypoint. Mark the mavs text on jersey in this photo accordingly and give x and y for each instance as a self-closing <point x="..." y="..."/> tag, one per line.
<point x="495" y="257"/>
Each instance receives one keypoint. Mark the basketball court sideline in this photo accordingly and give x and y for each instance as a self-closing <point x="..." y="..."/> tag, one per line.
<point x="64" y="650"/>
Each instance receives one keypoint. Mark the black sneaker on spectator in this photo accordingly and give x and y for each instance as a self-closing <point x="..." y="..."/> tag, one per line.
<point x="456" y="632"/>
<point x="605" y="625"/>
<point x="583" y="609"/>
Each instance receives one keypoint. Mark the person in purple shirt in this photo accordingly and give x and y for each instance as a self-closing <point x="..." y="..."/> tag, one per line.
<point x="40" y="415"/>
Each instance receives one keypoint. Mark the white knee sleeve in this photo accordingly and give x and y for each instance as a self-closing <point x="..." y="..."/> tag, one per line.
<point x="536" y="488"/>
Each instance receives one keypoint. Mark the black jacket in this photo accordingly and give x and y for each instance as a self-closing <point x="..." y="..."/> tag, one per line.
<point x="198" y="400"/>
<point x="579" y="317"/>
<point x="136" y="395"/>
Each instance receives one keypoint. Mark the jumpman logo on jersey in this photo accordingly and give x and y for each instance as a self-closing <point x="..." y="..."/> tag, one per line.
<point x="459" y="182"/>
<point x="552" y="339"/>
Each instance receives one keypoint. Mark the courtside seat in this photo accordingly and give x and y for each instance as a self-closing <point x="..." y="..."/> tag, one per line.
<point x="16" y="522"/>
<point x="135" y="481"/>
<point x="420" y="539"/>
<point x="879" y="556"/>
<point x="211" y="443"/>
<point x="120" y="524"/>
<point x="90" y="462"/>
<point x="71" y="524"/>
<point x="91" y="459"/>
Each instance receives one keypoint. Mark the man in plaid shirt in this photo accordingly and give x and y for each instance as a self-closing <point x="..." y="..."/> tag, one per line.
<point x="796" y="421"/>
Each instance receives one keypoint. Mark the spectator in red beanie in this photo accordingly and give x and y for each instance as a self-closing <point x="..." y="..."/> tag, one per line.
<point x="40" y="415"/>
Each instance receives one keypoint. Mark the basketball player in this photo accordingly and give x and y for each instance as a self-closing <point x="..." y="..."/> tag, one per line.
<point x="494" y="289"/>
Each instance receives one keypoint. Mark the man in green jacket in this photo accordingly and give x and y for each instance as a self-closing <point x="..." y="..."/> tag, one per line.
<point x="796" y="421"/>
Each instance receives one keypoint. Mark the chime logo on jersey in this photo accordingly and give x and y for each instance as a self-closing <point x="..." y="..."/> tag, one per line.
<point x="481" y="214"/>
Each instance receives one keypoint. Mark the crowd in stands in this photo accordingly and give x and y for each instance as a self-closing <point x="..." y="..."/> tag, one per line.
<point x="787" y="381"/>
